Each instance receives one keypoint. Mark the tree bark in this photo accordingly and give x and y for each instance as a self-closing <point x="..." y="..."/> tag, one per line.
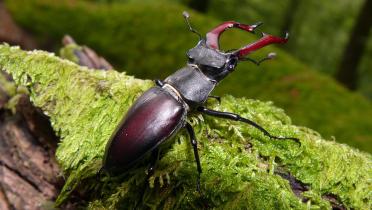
<point x="347" y="73"/>
<point x="28" y="169"/>
<point x="29" y="174"/>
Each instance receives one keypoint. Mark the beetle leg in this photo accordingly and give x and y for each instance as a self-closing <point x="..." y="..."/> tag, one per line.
<point x="194" y="144"/>
<point x="159" y="83"/>
<point x="154" y="159"/>
<point x="218" y="98"/>
<point x="150" y="171"/>
<point x="236" y="117"/>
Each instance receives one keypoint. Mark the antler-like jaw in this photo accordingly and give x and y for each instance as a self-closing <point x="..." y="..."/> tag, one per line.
<point x="213" y="36"/>
<point x="265" y="40"/>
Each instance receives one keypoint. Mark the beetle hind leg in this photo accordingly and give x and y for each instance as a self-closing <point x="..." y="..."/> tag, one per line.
<point x="194" y="144"/>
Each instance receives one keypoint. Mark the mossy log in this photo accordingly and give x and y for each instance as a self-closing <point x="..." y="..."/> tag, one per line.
<point x="242" y="168"/>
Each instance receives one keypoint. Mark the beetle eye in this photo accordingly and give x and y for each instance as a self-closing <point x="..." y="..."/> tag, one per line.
<point x="231" y="64"/>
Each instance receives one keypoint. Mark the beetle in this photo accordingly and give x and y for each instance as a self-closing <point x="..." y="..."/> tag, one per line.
<point x="161" y="111"/>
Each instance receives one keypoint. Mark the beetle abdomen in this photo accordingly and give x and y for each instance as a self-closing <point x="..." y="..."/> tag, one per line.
<point x="153" y="118"/>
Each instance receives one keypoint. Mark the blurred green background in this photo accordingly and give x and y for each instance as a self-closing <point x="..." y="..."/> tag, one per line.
<point x="149" y="39"/>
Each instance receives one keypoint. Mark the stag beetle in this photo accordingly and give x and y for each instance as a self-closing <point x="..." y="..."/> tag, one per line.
<point x="161" y="111"/>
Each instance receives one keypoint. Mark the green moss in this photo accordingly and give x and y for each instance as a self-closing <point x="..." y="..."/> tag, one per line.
<point x="10" y="93"/>
<point x="239" y="162"/>
<point x="149" y="42"/>
<point x="7" y="86"/>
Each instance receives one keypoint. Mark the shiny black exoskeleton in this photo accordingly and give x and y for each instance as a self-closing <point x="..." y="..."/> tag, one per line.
<point x="161" y="111"/>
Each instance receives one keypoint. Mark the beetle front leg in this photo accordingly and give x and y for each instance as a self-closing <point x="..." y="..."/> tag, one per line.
<point x="154" y="159"/>
<point x="159" y="83"/>
<point x="236" y="117"/>
<point x="194" y="144"/>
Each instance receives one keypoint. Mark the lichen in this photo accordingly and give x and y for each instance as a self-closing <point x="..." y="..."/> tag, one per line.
<point x="239" y="163"/>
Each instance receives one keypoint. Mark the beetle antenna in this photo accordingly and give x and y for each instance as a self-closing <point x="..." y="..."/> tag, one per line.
<point x="269" y="56"/>
<point x="186" y="15"/>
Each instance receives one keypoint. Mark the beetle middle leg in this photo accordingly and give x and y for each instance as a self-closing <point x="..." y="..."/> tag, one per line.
<point x="236" y="117"/>
<point x="194" y="144"/>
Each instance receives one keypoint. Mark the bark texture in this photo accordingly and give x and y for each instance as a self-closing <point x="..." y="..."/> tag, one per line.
<point x="29" y="174"/>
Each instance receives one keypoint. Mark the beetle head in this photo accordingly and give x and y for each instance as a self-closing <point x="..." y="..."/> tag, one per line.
<point x="217" y="64"/>
<point x="213" y="63"/>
